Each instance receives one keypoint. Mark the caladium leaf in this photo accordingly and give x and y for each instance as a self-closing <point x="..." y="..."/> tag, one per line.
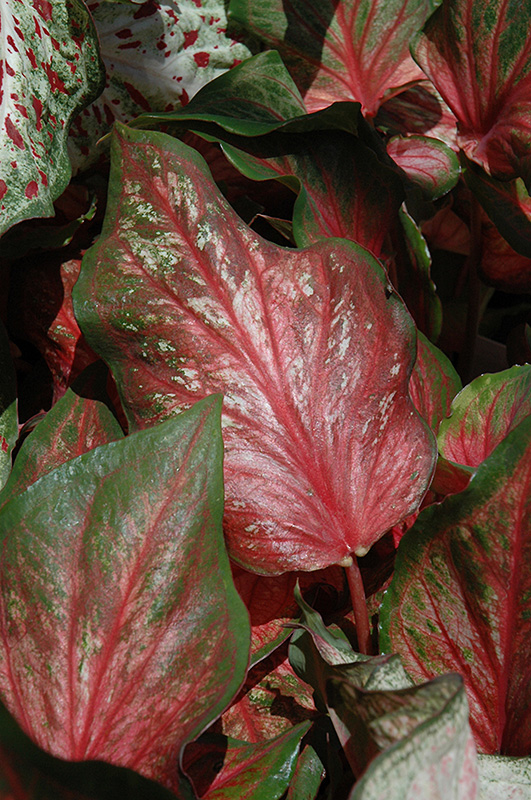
<point x="502" y="776"/>
<point x="49" y="70"/>
<point x="507" y="203"/>
<point x="157" y="56"/>
<point x="429" y="749"/>
<point x="41" y="312"/>
<point x="419" y="110"/>
<point x="270" y="602"/>
<point x="427" y="162"/>
<point x="459" y="599"/>
<point x="433" y="384"/>
<point x="270" y="703"/>
<point x="8" y="407"/>
<point x="501" y="266"/>
<point x="345" y="50"/>
<point x="484" y="413"/>
<point x="116" y="652"/>
<point x="249" y="771"/>
<point x="312" y="349"/>
<point x="254" y="98"/>
<point x="343" y="189"/>
<point x="77" y="423"/>
<point x="412" y="268"/>
<point x="27" y="773"/>
<point x="479" y="58"/>
<point x="307" y="776"/>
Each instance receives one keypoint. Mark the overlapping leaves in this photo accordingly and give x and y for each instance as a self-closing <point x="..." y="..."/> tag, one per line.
<point x="292" y="338"/>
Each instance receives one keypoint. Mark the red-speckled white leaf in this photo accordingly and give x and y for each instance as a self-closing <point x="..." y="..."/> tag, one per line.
<point x="484" y="413"/>
<point x="346" y="50"/>
<point x="157" y="56"/>
<point x="312" y="349"/>
<point x="116" y="599"/>
<point x="49" y="70"/>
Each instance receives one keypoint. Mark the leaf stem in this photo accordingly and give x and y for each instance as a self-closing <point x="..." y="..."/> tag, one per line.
<point x="359" y="606"/>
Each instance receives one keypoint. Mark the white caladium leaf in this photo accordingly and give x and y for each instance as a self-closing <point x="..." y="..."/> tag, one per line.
<point x="49" y="70"/>
<point x="157" y="56"/>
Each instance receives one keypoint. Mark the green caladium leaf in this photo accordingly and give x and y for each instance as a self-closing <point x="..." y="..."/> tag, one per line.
<point x="501" y="776"/>
<point x="49" y="70"/>
<point x="459" y="598"/>
<point x="312" y="350"/>
<point x="307" y="776"/>
<point x="27" y="773"/>
<point x="478" y="56"/>
<point x="413" y="276"/>
<point x="254" y="98"/>
<point x="77" y="423"/>
<point x="428" y="162"/>
<point x="116" y="598"/>
<point x="433" y="384"/>
<point x="8" y="407"/>
<point x="343" y="189"/>
<point x="342" y="50"/>
<point x="484" y="413"/>
<point x="248" y="771"/>
<point x="157" y="56"/>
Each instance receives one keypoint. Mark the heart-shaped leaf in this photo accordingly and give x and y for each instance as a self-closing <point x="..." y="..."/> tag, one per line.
<point x="157" y="56"/>
<point x="502" y="267"/>
<point x="459" y="599"/>
<point x="49" y="70"/>
<point x="312" y="349"/>
<point x="117" y="602"/>
<point x="344" y="190"/>
<point x="484" y="413"/>
<point x="343" y="50"/>
<point x="77" y="423"/>
<point x="501" y="776"/>
<point x="249" y="771"/>
<point x="478" y="56"/>
<point x="419" y="110"/>
<point x="427" y="162"/>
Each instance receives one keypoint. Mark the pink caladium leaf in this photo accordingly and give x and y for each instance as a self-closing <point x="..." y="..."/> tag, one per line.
<point x="27" y="772"/>
<point x="248" y="771"/>
<point x="41" y="293"/>
<point x="507" y="203"/>
<point x="459" y="599"/>
<point x="77" y="423"/>
<point x="501" y="266"/>
<point x="479" y="58"/>
<point x="271" y="701"/>
<point x="116" y="597"/>
<point x="312" y="349"/>
<point x="427" y="162"/>
<point x="49" y="70"/>
<point x="343" y="189"/>
<point x="433" y="384"/>
<point x="157" y="56"/>
<point x="484" y="413"/>
<point x="419" y="110"/>
<point x="346" y="50"/>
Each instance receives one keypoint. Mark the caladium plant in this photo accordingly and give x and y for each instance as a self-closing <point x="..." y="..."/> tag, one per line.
<point x="257" y="539"/>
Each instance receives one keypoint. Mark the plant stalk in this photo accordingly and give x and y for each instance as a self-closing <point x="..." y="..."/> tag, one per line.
<point x="359" y="606"/>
